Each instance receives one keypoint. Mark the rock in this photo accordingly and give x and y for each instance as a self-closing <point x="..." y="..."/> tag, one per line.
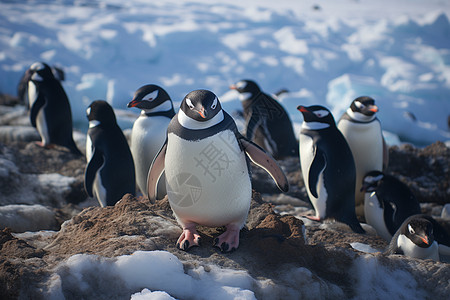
<point x="446" y="212"/>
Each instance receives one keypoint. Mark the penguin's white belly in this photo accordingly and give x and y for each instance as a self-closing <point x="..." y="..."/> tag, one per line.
<point x="306" y="158"/>
<point x="207" y="180"/>
<point x="412" y="250"/>
<point x="366" y="143"/>
<point x="99" y="190"/>
<point x="147" y="137"/>
<point x="41" y="123"/>
<point x="374" y="215"/>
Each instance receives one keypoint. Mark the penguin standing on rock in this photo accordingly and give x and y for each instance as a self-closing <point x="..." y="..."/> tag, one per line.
<point x="388" y="202"/>
<point x="267" y="122"/>
<point x="149" y="131"/>
<point x="207" y="171"/>
<point x="362" y="130"/>
<point x="328" y="167"/>
<point x="110" y="170"/>
<point x="50" y="111"/>
<point x="420" y="236"/>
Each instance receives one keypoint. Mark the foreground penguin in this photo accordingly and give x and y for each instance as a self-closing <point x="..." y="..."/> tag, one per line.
<point x="328" y="168"/>
<point x="110" y="170"/>
<point x="420" y="236"/>
<point x="50" y="111"/>
<point x="207" y="171"/>
<point x="362" y="130"/>
<point x="267" y="123"/>
<point x="149" y="131"/>
<point x="387" y="204"/>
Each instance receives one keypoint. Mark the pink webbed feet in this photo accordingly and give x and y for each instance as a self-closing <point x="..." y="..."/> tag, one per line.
<point x="229" y="240"/>
<point x="189" y="238"/>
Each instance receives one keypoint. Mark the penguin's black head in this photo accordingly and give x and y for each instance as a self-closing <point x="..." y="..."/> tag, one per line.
<point x="102" y="113"/>
<point x="247" y="88"/>
<point x="371" y="181"/>
<point x="148" y="97"/>
<point x="364" y="105"/>
<point x="317" y="114"/>
<point x="201" y="105"/>
<point x="41" y="72"/>
<point x="420" y="231"/>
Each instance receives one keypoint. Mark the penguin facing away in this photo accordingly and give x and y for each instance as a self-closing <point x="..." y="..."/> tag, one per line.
<point x="362" y="130"/>
<point x="328" y="167"/>
<point x="207" y="170"/>
<point x="50" y="111"/>
<point x="420" y="236"/>
<point x="149" y="131"/>
<point x="110" y="170"/>
<point x="388" y="202"/>
<point x="267" y="122"/>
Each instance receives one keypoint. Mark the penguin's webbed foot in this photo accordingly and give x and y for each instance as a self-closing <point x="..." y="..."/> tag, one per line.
<point x="229" y="240"/>
<point x="188" y="239"/>
<point x="43" y="145"/>
<point x="313" y="218"/>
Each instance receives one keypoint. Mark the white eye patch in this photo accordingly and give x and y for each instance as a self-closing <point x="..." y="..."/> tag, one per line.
<point x="214" y="104"/>
<point x="189" y="103"/>
<point x="371" y="179"/>
<point x="151" y="96"/>
<point x="88" y="111"/>
<point x="411" y="230"/>
<point x="321" y="113"/>
<point x="37" y="66"/>
<point x="359" y="105"/>
<point x="241" y="84"/>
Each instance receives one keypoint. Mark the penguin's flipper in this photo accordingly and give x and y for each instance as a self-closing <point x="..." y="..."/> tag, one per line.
<point x="393" y="248"/>
<point x="385" y="154"/>
<point x="155" y="172"/>
<point x="265" y="161"/>
<point x="92" y="167"/>
<point x="317" y="166"/>
<point x="252" y="124"/>
<point x="35" y="108"/>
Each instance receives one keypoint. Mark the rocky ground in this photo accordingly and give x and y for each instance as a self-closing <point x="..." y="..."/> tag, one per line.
<point x="46" y="217"/>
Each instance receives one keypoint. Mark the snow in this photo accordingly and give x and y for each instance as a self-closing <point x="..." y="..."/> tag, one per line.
<point x="397" y="53"/>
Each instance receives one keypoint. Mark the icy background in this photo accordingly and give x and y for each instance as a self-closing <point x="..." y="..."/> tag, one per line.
<point x="326" y="52"/>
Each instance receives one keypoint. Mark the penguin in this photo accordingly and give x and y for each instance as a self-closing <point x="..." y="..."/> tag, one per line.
<point x="207" y="171"/>
<point x="362" y="130"/>
<point x="419" y="236"/>
<point x="22" y="87"/>
<point x="328" y="167"/>
<point x="267" y="122"/>
<point x="50" y="111"/>
<point x="110" y="170"/>
<point x="149" y="131"/>
<point x="388" y="202"/>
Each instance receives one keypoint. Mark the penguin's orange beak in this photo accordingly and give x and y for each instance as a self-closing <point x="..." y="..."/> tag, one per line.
<point x="373" y="108"/>
<point x="133" y="103"/>
<point x="232" y="87"/>
<point x="302" y="108"/>
<point x="202" y="113"/>
<point x="424" y="239"/>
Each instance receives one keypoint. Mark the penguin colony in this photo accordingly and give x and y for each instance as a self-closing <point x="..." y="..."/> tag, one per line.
<point x="200" y="160"/>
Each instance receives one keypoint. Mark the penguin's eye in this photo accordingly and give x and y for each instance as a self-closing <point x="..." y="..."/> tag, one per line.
<point x="359" y="105"/>
<point x="151" y="96"/>
<point x="189" y="103"/>
<point x="214" y="105"/>
<point x="321" y="113"/>
<point x="411" y="230"/>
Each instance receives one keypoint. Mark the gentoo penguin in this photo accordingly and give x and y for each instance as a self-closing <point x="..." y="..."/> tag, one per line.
<point x="207" y="171"/>
<point x="50" y="109"/>
<point x="388" y="202"/>
<point x="362" y="130"/>
<point x="22" y="87"/>
<point x="110" y="170"/>
<point x="267" y="123"/>
<point x="328" y="167"/>
<point x="149" y="131"/>
<point x="419" y="236"/>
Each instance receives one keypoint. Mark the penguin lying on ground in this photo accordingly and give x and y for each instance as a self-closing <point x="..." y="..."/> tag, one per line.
<point x="50" y="111"/>
<point x="328" y="167"/>
<point x="388" y="202"/>
<point x="207" y="170"/>
<point x="110" y="170"/>
<point x="420" y="236"/>
<point x="267" y="122"/>
<point x="362" y="130"/>
<point x="149" y="131"/>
